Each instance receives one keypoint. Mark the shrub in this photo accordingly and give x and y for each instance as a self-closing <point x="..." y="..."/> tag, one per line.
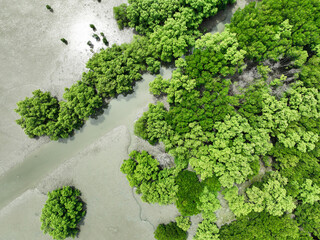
<point x="169" y="231"/>
<point x="120" y="14"/>
<point x="93" y="27"/>
<point x="188" y="193"/>
<point x="62" y="213"/>
<point x="64" y="41"/>
<point x="183" y="222"/>
<point x="37" y="113"/>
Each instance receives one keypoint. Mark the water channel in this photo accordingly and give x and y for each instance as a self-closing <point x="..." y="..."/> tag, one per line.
<point x="121" y="111"/>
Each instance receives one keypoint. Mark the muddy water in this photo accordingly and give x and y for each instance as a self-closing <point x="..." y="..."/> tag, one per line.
<point x="66" y="65"/>
<point x="33" y="57"/>
<point x="121" y="111"/>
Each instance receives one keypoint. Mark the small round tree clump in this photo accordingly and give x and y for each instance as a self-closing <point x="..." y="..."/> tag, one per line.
<point x="38" y="113"/>
<point x="170" y="231"/>
<point x="62" y="213"/>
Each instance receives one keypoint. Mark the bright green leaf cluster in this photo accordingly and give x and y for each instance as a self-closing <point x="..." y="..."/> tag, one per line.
<point x="271" y="29"/>
<point x="62" y="213"/>
<point x="144" y="173"/>
<point x="208" y="204"/>
<point x="207" y="230"/>
<point x="236" y="202"/>
<point x="38" y="113"/>
<point x="183" y="222"/>
<point x="272" y="197"/>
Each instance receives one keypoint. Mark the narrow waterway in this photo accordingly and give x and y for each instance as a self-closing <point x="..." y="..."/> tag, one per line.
<point x="121" y="111"/>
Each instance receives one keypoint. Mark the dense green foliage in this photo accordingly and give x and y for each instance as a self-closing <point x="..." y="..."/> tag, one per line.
<point x="114" y="70"/>
<point x="208" y="204"/>
<point x="189" y="190"/>
<point x="207" y="230"/>
<point x="120" y="14"/>
<point x="170" y="231"/>
<point x="183" y="222"/>
<point x="143" y="172"/>
<point x="146" y="15"/>
<point x="273" y="28"/>
<point x="239" y="100"/>
<point x="245" y="98"/>
<point x="202" y="115"/>
<point x="272" y="196"/>
<point x="308" y="217"/>
<point x="236" y="202"/>
<point x="261" y="226"/>
<point x="45" y="115"/>
<point x="170" y="27"/>
<point x="62" y="213"/>
<point x="38" y="113"/>
<point x="111" y="72"/>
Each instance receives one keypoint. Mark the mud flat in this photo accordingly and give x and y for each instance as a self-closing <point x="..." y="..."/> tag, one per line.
<point x="90" y="161"/>
<point x="113" y="210"/>
<point x="33" y="57"/>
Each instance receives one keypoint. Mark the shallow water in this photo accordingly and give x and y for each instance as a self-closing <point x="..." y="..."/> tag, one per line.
<point x="121" y="111"/>
<point x="43" y="161"/>
<point x="33" y="57"/>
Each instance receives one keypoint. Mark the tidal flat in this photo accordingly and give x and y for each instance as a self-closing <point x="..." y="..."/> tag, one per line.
<point x="33" y="57"/>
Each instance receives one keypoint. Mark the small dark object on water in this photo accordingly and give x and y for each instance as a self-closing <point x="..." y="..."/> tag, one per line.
<point x="64" y="41"/>
<point x="105" y="41"/>
<point x="93" y="27"/>
<point x="95" y="36"/>
<point x="89" y="43"/>
<point x="49" y="8"/>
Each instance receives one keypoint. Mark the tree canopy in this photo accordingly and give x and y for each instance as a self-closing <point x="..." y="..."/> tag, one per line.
<point x="62" y="213"/>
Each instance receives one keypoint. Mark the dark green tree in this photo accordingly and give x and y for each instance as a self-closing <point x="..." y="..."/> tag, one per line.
<point x="120" y="14"/>
<point x="49" y="8"/>
<point x="169" y="232"/>
<point x="308" y="217"/>
<point x="93" y="27"/>
<point x="189" y="191"/>
<point x="64" y="41"/>
<point x="261" y="226"/>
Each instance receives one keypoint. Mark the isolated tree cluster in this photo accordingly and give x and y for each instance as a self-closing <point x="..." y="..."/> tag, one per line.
<point x="62" y="213"/>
